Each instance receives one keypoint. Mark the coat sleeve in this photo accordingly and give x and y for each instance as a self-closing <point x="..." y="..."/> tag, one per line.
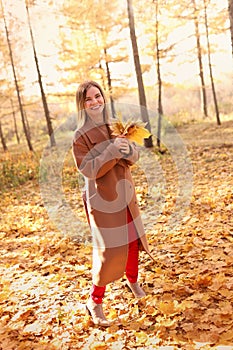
<point x="93" y="163"/>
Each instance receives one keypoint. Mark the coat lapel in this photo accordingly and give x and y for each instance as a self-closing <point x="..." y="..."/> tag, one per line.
<point x="95" y="134"/>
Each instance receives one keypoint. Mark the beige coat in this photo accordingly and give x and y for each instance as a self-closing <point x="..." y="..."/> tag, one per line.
<point x="109" y="189"/>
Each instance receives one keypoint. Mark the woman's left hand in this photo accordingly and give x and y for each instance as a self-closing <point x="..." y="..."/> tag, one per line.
<point x="122" y="144"/>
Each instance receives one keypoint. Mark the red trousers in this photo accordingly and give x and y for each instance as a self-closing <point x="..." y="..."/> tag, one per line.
<point x="131" y="270"/>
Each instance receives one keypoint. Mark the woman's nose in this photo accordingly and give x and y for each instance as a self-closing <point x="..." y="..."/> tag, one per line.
<point x="94" y="101"/>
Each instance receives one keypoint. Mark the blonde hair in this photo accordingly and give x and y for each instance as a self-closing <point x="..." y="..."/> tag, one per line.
<point x="80" y="100"/>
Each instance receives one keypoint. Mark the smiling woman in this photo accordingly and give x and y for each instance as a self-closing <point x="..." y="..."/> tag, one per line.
<point x="110" y="201"/>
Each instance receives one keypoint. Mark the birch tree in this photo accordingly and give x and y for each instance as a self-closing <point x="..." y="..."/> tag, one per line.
<point x="25" y="129"/>
<point x="210" y="64"/>
<point x="3" y="141"/>
<point x="196" y="19"/>
<point x="141" y="91"/>
<point x="43" y="96"/>
<point x="15" y="123"/>
<point x="230" y="10"/>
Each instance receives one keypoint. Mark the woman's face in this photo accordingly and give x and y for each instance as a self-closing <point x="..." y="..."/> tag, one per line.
<point x="94" y="103"/>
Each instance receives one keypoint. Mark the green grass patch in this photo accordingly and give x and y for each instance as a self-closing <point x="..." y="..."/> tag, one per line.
<point x="17" y="169"/>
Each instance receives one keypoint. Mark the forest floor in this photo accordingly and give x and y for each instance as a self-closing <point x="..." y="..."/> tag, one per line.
<point x="45" y="275"/>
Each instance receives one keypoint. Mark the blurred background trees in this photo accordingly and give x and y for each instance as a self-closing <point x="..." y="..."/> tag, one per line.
<point x="230" y="9"/>
<point x="47" y="48"/>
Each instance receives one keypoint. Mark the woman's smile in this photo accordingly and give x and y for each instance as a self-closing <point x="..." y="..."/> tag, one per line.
<point x="95" y="107"/>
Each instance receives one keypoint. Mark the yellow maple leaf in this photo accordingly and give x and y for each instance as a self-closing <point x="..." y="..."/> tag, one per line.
<point x="132" y="130"/>
<point x="141" y="337"/>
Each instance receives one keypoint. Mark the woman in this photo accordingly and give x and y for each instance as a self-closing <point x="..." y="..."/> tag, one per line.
<point x="109" y="197"/>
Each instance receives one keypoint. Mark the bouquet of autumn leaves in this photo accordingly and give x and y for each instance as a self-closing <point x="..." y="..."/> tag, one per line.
<point x="132" y="130"/>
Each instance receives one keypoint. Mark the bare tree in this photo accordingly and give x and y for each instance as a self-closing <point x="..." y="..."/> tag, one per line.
<point x="230" y="10"/>
<point x="3" y="141"/>
<point x="199" y="56"/>
<point x="160" y="107"/>
<point x="15" y="124"/>
<point x="142" y="97"/>
<point x="109" y="79"/>
<point x="210" y="65"/>
<point x="16" y="83"/>
<point x="43" y="96"/>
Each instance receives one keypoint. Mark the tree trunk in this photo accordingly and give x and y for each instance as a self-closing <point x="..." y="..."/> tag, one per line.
<point x="27" y="123"/>
<point x="230" y="9"/>
<point x="2" y="138"/>
<point x="199" y="55"/>
<point x="44" y="100"/>
<point x="16" y="83"/>
<point x="160" y="107"/>
<point x="109" y="84"/>
<point x="210" y="66"/>
<point x="15" y="124"/>
<point x="142" y="97"/>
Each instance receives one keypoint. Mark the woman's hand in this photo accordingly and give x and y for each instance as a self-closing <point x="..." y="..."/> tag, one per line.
<point x="122" y="144"/>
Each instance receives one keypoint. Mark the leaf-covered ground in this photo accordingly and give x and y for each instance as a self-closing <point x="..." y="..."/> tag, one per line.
<point x="45" y="276"/>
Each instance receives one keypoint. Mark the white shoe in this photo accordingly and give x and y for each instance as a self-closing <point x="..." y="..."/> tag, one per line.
<point x="97" y="314"/>
<point x="136" y="289"/>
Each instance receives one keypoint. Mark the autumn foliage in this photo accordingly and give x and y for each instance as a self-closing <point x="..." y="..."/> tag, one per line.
<point x="133" y="130"/>
<point x="45" y="277"/>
